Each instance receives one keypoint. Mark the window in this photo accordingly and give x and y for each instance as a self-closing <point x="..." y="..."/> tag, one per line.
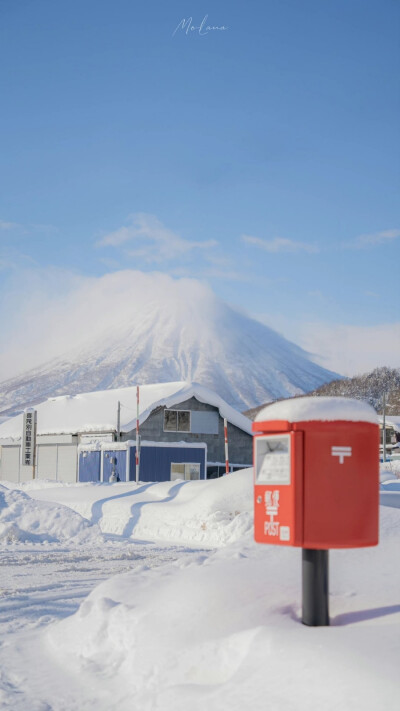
<point x="185" y="471"/>
<point x="176" y="420"/>
<point x="170" y="420"/>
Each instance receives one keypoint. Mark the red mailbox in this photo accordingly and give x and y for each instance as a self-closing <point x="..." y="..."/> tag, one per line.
<point x="316" y="469"/>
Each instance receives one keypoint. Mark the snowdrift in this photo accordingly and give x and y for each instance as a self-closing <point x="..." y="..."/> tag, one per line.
<point x="204" y="513"/>
<point x="210" y="514"/>
<point x="224" y="632"/>
<point x="27" y="521"/>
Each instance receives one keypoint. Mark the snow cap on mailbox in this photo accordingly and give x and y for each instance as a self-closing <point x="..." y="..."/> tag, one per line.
<point x="316" y="469"/>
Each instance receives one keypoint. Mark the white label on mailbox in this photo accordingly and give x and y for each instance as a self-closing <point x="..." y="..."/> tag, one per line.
<point x="273" y="459"/>
<point x="284" y="533"/>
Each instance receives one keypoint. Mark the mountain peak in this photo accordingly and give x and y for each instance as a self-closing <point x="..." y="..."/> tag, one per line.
<point x="161" y="330"/>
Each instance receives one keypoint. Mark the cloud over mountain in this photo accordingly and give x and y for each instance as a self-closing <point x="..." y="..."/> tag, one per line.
<point x="133" y="327"/>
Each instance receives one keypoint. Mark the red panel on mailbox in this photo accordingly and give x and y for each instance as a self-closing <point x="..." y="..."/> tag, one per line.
<point x="316" y="483"/>
<point x="341" y="484"/>
<point x="278" y="500"/>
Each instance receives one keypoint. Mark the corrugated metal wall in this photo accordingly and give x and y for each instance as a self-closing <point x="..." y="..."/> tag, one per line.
<point x="10" y="463"/>
<point x="67" y="463"/>
<point x="155" y="462"/>
<point x="89" y="466"/>
<point x="46" y="461"/>
<point x="56" y="461"/>
<point x="120" y="464"/>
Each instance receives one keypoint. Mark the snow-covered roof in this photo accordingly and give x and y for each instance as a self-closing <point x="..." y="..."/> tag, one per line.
<point x="307" y="409"/>
<point x="97" y="411"/>
<point x="391" y="421"/>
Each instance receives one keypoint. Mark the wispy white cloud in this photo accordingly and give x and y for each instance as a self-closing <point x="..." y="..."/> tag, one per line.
<point x="342" y="348"/>
<point x="351" y="350"/>
<point x="279" y="244"/>
<point x="27" y="228"/>
<point x="8" y="225"/>
<point x="152" y="241"/>
<point x="62" y="311"/>
<point x="374" y="239"/>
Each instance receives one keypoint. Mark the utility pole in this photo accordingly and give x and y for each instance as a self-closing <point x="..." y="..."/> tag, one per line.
<point x="119" y="421"/>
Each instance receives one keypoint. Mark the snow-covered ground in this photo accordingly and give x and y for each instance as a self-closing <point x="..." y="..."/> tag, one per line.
<point x="155" y="597"/>
<point x="205" y="513"/>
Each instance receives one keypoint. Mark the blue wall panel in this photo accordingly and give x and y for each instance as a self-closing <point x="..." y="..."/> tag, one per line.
<point x="120" y="464"/>
<point x="89" y="466"/>
<point x="155" y="462"/>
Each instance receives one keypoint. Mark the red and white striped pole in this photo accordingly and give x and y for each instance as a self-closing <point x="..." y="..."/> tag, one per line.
<point x="137" y="434"/>
<point x="226" y="446"/>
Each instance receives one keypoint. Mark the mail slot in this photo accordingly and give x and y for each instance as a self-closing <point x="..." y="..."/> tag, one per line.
<point x="316" y="469"/>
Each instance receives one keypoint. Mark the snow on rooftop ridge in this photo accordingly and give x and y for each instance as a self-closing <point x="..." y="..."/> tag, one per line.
<point x="97" y="411"/>
<point x="307" y="409"/>
<point x="202" y="394"/>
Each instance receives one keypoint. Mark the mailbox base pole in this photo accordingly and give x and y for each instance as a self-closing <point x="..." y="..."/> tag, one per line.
<point x="315" y="588"/>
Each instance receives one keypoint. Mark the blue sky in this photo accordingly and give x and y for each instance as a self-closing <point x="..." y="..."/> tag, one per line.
<point x="262" y="158"/>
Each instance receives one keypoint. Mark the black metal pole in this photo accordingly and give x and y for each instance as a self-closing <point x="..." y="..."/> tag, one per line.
<point x="315" y="587"/>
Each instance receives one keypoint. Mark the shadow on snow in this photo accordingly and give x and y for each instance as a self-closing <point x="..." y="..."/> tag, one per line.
<point x="97" y="508"/>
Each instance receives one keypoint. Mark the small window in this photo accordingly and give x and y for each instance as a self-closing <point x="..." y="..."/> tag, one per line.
<point x="187" y="471"/>
<point x="176" y="420"/>
<point x="170" y="420"/>
<point x="192" y="471"/>
<point x="183" y="421"/>
<point x="177" y="471"/>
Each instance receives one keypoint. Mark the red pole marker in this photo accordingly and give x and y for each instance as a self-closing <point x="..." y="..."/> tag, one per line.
<point x="226" y="446"/>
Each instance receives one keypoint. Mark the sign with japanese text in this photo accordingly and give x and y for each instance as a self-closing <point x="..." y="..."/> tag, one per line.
<point x="29" y="438"/>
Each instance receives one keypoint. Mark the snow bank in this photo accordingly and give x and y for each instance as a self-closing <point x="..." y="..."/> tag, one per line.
<point x="306" y="409"/>
<point x="390" y="469"/>
<point x="210" y="513"/>
<point x="23" y="519"/>
<point x="224" y="632"/>
<point x="207" y="513"/>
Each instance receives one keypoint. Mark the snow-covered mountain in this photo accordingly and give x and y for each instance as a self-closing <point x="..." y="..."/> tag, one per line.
<point x="179" y="331"/>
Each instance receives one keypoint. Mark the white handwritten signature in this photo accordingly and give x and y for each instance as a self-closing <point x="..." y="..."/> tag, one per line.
<point x="187" y="26"/>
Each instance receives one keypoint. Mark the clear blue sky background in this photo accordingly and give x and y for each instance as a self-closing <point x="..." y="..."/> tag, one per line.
<point x="285" y="125"/>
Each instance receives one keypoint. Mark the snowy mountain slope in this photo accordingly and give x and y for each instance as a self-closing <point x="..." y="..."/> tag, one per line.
<point x="169" y="334"/>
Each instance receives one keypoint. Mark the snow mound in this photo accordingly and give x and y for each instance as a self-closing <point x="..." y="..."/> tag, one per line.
<point x="25" y="520"/>
<point x="390" y="469"/>
<point x="209" y="513"/>
<point x="224" y="632"/>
